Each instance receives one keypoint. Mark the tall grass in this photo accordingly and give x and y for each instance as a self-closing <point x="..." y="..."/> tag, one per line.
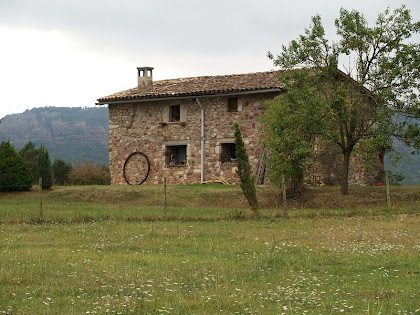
<point x="192" y="203"/>
<point x="270" y="266"/>
<point x="112" y="250"/>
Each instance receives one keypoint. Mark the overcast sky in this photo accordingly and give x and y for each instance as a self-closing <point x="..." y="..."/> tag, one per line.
<point x="71" y="52"/>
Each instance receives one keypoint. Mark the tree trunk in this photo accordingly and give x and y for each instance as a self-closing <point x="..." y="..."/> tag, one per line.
<point x="344" y="179"/>
<point x="298" y="185"/>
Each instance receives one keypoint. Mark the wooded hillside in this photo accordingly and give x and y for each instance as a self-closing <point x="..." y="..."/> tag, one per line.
<point x="71" y="134"/>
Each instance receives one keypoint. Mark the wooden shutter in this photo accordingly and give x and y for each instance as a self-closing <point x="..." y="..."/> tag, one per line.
<point x="165" y="114"/>
<point x="183" y="116"/>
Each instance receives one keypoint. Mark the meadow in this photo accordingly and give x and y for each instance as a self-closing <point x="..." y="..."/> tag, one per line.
<point x="113" y="250"/>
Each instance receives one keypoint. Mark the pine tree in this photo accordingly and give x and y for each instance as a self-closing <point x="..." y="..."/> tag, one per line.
<point x="30" y="154"/>
<point x="244" y="171"/>
<point x="61" y="171"/>
<point x="44" y="167"/>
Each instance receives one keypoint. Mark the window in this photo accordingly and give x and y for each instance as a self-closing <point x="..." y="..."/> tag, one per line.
<point x="227" y="154"/>
<point x="176" y="156"/>
<point x="175" y="113"/>
<point x="233" y="104"/>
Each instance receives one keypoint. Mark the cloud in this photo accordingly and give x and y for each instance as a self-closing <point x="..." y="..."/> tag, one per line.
<point x="61" y="52"/>
<point x="132" y="27"/>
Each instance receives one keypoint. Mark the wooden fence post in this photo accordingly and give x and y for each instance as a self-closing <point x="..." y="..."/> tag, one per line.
<point x="283" y="184"/>
<point x="164" y="196"/>
<point x="388" y="197"/>
<point x="41" y="212"/>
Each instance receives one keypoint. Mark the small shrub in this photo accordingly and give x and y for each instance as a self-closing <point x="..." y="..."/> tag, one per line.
<point x="87" y="173"/>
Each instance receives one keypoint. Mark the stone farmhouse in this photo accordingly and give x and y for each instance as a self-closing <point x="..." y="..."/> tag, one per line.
<point x="185" y="128"/>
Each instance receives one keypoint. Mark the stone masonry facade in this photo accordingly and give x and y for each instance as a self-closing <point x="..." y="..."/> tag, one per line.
<point x="142" y="127"/>
<point x="163" y="121"/>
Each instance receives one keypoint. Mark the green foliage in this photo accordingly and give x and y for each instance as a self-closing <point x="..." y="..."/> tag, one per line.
<point x="15" y="174"/>
<point x="87" y="173"/>
<point x="412" y="134"/>
<point x="395" y="179"/>
<point x="244" y="170"/>
<point x="359" y="105"/>
<point x="291" y="126"/>
<point x="44" y="167"/>
<point x="61" y="171"/>
<point x="30" y="154"/>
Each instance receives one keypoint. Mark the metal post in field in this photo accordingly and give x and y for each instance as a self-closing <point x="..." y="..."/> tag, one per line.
<point x="388" y="197"/>
<point x="41" y="212"/>
<point x="164" y="196"/>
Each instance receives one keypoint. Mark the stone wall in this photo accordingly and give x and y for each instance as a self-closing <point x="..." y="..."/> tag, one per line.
<point x="145" y="127"/>
<point x="330" y="165"/>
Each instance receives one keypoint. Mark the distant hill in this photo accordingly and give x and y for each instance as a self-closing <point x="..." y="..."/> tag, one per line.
<point x="71" y="134"/>
<point x="80" y="134"/>
<point x="408" y="166"/>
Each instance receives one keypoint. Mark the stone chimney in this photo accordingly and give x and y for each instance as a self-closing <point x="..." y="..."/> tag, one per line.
<point x="145" y="79"/>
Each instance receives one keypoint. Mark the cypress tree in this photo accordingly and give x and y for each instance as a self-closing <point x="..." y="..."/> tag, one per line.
<point x="244" y="171"/>
<point x="44" y="167"/>
<point x="30" y="154"/>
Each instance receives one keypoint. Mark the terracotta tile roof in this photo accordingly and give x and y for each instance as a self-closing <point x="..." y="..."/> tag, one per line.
<point x="196" y="86"/>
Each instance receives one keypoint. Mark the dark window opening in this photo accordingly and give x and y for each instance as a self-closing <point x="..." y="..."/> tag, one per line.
<point x="176" y="156"/>
<point x="233" y="104"/>
<point x="175" y="113"/>
<point x="227" y="154"/>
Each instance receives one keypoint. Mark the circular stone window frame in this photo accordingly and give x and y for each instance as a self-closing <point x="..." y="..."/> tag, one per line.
<point x="126" y="162"/>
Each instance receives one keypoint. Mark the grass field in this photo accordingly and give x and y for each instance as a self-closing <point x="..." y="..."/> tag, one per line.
<point x="74" y="204"/>
<point x="111" y="250"/>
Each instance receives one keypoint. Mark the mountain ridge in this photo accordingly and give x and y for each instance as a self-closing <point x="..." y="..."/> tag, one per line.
<point x="70" y="133"/>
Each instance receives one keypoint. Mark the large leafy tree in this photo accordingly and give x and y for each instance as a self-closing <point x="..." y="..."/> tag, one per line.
<point x="356" y="103"/>
<point x="15" y="174"/>
<point x="291" y="124"/>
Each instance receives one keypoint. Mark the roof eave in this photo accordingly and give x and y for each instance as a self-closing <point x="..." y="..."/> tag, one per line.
<point x="188" y="96"/>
